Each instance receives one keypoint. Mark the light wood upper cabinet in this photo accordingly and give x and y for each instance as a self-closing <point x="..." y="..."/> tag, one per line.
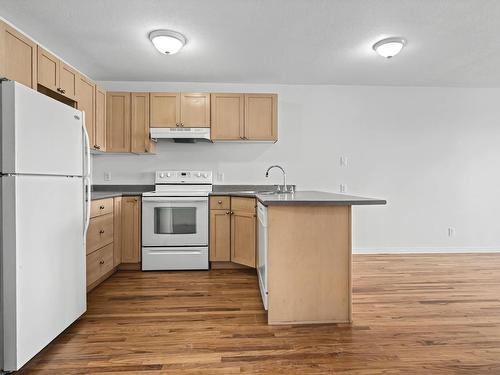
<point x="261" y="122"/>
<point x="131" y="230"/>
<point x="195" y="110"/>
<point x="165" y="110"/>
<point x="100" y="119"/>
<point x="48" y="70"/>
<point x="85" y="95"/>
<point x="68" y="78"/>
<point x="18" y="56"/>
<point x="227" y="114"/>
<point x="140" y="139"/>
<point x="220" y="235"/>
<point x="118" y="121"/>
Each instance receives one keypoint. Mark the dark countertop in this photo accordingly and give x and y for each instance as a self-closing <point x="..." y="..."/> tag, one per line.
<point x="298" y="198"/>
<point x="111" y="191"/>
<point x="315" y="198"/>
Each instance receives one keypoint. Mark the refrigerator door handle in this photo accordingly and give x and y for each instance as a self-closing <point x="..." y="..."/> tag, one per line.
<point x="87" y="181"/>
<point x="87" y="196"/>
<point x="87" y="148"/>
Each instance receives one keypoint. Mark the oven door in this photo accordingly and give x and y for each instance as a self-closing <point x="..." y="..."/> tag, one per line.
<point x="175" y="221"/>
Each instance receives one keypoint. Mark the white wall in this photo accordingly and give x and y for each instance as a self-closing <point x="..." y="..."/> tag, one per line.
<point x="433" y="153"/>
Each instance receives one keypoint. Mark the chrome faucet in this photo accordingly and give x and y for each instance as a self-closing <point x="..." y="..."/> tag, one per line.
<point x="284" y="189"/>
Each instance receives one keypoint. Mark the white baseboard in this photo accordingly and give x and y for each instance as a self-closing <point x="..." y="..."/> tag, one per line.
<point x="425" y="250"/>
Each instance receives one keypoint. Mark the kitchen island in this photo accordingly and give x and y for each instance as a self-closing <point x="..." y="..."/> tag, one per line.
<point x="304" y="253"/>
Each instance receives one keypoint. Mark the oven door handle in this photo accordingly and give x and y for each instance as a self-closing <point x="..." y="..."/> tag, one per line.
<point x="174" y="200"/>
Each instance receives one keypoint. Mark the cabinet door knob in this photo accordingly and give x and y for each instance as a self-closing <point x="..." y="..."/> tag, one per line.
<point x="182" y="124"/>
<point x="63" y="91"/>
<point x="101" y="262"/>
<point x="177" y="124"/>
<point x="101" y="207"/>
<point x="220" y="202"/>
<point x="231" y="212"/>
<point x="101" y="231"/>
<point x="228" y="212"/>
<point x="97" y="147"/>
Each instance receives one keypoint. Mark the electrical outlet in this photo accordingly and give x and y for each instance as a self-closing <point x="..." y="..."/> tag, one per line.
<point x="343" y="161"/>
<point x="343" y="188"/>
<point x="107" y="176"/>
<point x="451" y="232"/>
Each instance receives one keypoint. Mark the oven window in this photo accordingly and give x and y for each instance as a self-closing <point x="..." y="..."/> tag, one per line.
<point x="175" y="220"/>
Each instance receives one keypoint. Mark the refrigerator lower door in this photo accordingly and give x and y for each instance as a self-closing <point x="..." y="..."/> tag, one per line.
<point x="43" y="262"/>
<point x="39" y="135"/>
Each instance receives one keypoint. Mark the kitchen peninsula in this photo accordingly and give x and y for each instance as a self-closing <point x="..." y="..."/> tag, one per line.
<point x="304" y="253"/>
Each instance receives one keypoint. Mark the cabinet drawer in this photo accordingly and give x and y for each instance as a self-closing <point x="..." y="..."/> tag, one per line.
<point x="100" y="232"/>
<point x="242" y="204"/>
<point x="101" y="207"/>
<point x="99" y="263"/>
<point x="220" y="203"/>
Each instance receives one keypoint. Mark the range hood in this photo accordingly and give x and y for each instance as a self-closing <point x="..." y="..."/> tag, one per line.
<point x="183" y="135"/>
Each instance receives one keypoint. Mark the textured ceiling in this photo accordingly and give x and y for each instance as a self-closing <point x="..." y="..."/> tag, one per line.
<point x="450" y="42"/>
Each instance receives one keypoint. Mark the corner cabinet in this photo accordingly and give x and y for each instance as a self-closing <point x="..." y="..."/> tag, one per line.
<point x="233" y="233"/>
<point x="18" y="56"/>
<point x="244" y="117"/>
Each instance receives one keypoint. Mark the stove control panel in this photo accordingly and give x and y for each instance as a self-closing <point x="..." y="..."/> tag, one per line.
<point x="183" y="177"/>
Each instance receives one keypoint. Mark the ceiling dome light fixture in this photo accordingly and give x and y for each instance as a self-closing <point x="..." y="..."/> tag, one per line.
<point x="389" y="47"/>
<point x="167" y="42"/>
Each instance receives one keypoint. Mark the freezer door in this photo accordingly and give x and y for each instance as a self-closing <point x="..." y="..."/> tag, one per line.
<point x="43" y="266"/>
<point x="39" y="135"/>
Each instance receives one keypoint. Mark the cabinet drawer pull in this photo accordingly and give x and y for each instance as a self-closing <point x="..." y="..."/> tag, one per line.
<point x="101" y="231"/>
<point x="101" y="207"/>
<point x="101" y="262"/>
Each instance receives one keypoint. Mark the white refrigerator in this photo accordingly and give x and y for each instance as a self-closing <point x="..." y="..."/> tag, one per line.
<point x="43" y="221"/>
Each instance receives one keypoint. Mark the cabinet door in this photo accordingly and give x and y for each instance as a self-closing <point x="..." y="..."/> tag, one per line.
<point x="227" y="116"/>
<point x="18" y="56"/>
<point x="117" y="231"/>
<point x="85" y="96"/>
<point x="48" y="70"/>
<point x="165" y="110"/>
<point x="68" y="78"/>
<point x="261" y="122"/>
<point x="100" y="119"/>
<point x="220" y="235"/>
<point x="131" y="230"/>
<point x="140" y="139"/>
<point x="243" y="233"/>
<point x="195" y="110"/>
<point x="118" y="122"/>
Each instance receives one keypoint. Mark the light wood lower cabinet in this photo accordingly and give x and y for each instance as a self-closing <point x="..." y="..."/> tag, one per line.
<point x="117" y="230"/>
<point x="100" y="232"/>
<point x="233" y="230"/>
<point x="220" y="235"/>
<point x="243" y="233"/>
<point x="131" y="230"/>
<point x="18" y="56"/>
<point x="99" y="264"/>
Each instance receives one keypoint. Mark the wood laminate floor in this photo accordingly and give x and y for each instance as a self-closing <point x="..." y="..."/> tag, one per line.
<point x="413" y="314"/>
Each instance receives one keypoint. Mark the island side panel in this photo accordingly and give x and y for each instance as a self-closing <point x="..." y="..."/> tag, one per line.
<point x="309" y="264"/>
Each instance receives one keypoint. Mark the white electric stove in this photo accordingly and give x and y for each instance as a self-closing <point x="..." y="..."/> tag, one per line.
<point x="175" y="221"/>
